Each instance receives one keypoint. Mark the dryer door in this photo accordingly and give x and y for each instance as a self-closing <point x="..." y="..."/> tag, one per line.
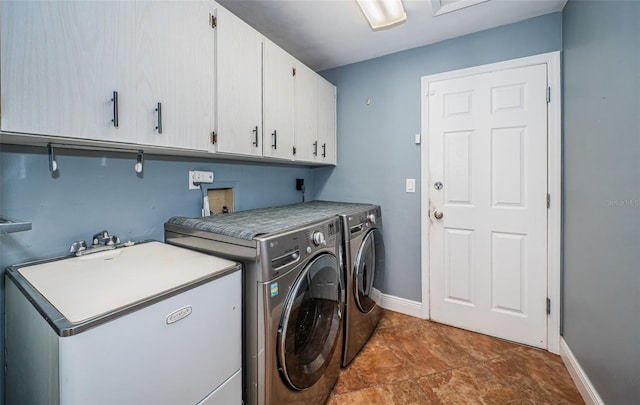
<point x="367" y="268"/>
<point x="310" y="325"/>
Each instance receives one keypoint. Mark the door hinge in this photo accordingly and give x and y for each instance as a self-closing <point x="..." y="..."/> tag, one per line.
<point x="213" y="21"/>
<point x="548" y="306"/>
<point x="214" y="138"/>
<point x="548" y="200"/>
<point x="294" y="150"/>
<point x="293" y="71"/>
<point x="548" y="94"/>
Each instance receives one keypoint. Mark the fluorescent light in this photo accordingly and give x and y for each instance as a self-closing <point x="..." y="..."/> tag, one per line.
<point x="382" y="13"/>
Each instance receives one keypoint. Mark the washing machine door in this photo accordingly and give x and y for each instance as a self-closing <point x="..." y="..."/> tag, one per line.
<point x="310" y="324"/>
<point x="367" y="267"/>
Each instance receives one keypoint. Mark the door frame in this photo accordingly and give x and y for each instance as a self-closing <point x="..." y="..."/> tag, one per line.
<point x="554" y="173"/>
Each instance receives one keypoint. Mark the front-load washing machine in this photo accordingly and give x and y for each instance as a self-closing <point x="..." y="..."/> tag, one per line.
<point x="364" y="268"/>
<point x="293" y="297"/>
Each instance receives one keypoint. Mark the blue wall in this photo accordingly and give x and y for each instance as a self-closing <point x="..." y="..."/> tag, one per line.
<point x="601" y="192"/>
<point x="96" y="191"/>
<point x="376" y="148"/>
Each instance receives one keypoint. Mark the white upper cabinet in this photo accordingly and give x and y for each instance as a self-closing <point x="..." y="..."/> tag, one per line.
<point x="278" y="93"/>
<point x="326" y="122"/>
<point x="61" y="63"/>
<point x="170" y="76"/>
<point x="315" y="117"/>
<point x="239" y="86"/>
<point x="138" y="72"/>
<point x="175" y="58"/>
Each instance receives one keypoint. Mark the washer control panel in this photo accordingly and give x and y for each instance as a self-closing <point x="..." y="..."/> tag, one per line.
<point x="289" y="248"/>
<point x="364" y="220"/>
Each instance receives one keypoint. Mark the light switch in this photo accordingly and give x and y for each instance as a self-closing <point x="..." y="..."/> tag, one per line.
<point x="417" y="139"/>
<point x="411" y="185"/>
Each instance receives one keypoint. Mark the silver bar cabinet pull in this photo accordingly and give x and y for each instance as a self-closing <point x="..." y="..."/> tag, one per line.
<point x="275" y="140"/>
<point x="159" y="110"/>
<point x="115" y="109"/>
<point x="315" y="148"/>
<point x="324" y="150"/>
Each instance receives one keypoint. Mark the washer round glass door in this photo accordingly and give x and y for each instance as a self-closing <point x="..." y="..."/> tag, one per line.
<point x="368" y="265"/>
<point x="310" y="323"/>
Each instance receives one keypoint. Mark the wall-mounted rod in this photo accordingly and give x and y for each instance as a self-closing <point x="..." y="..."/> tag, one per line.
<point x="53" y="164"/>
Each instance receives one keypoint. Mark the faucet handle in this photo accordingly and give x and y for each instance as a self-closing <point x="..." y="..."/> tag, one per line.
<point x="101" y="236"/>
<point x="78" y="246"/>
<point x="112" y="240"/>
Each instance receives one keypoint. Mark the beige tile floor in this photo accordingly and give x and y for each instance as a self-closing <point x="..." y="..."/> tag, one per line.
<point x="413" y="361"/>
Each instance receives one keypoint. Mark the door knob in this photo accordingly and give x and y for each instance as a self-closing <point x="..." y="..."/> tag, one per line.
<point x="438" y="214"/>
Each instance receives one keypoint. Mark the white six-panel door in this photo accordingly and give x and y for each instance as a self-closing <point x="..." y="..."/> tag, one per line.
<point x="488" y="251"/>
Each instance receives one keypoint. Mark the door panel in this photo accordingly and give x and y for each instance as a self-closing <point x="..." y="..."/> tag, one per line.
<point x="306" y="113"/>
<point x="326" y="122"/>
<point x="238" y="86"/>
<point x="175" y="67"/>
<point x="309" y="330"/>
<point x="488" y="143"/>
<point x="278" y="102"/>
<point x="58" y="76"/>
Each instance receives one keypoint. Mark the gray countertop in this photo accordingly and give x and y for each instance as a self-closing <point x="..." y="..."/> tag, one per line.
<point x="251" y="223"/>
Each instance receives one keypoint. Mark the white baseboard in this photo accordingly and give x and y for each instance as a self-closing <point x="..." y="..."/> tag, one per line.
<point x="580" y="378"/>
<point x="397" y="304"/>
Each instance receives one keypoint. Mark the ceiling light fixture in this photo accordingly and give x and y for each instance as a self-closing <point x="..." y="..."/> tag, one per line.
<point x="382" y="14"/>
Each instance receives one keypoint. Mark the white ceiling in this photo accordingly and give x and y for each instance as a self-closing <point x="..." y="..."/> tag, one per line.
<point x="329" y="33"/>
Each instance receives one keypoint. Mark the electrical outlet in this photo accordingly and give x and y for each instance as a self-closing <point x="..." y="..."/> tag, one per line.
<point x="196" y="176"/>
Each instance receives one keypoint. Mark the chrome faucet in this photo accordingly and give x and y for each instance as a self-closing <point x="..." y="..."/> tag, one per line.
<point x="100" y="241"/>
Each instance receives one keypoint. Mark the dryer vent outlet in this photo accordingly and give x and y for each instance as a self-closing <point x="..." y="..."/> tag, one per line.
<point x="300" y="184"/>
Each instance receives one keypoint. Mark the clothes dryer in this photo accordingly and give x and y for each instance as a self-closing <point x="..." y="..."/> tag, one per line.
<point x="364" y="269"/>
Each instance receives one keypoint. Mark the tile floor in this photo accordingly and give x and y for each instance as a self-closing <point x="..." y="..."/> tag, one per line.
<point x="413" y="361"/>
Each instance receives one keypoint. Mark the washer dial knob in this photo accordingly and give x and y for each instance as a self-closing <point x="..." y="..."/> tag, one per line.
<point x="318" y="238"/>
<point x="371" y="218"/>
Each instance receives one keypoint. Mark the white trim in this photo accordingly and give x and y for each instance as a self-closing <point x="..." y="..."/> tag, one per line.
<point x="554" y="153"/>
<point x="554" y="188"/>
<point x="580" y="378"/>
<point x="397" y="304"/>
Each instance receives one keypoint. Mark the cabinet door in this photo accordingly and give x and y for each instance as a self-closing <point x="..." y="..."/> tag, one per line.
<point x="278" y="88"/>
<point x="175" y="60"/>
<point x="238" y="86"/>
<point x="326" y="122"/>
<point x="61" y="62"/>
<point x="306" y="113"/>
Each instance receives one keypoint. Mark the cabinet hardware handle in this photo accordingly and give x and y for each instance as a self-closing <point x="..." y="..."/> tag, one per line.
<point x="159" y="110"/>
<point x="255" y="131"/>
<point x="275" y="140"/>
<point x="115" y="109"/>
<point x="315" y="148"/>
<point x="324" y="150"/>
